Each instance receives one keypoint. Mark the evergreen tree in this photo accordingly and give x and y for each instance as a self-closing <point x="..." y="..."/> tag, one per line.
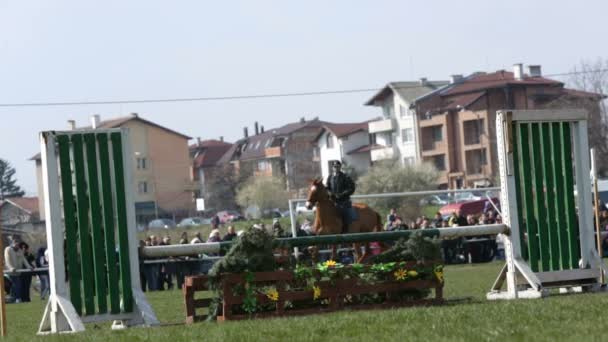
<point x="8" y="186"/>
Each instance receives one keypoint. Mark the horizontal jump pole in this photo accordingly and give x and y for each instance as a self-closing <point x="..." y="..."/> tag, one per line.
<point x="217" y="247"/>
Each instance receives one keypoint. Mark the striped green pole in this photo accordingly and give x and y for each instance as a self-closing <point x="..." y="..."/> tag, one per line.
<point x="71" y="224"/>
<point x="99" y="260"/>
<point x="123" y="234"/>
<point x="86" y="248"/>
<point x="109" y="223"/>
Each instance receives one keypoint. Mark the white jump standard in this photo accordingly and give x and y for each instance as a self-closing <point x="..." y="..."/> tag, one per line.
<point x="88" y="202"/>
<point x="544" y="161"/>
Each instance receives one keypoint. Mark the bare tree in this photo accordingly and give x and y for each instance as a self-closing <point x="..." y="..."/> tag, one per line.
<point x="592" y="76"/>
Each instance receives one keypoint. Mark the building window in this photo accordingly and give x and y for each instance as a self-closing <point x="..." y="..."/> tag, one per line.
<point x="437" y="133"/>
<point x="439" y="162"/>
<point x="407" y="135"/>
<point x="388" y="110"/>
<point x="372" y="139"/>
<point x="483" y="159"/>
<point x="409" y="161"/>
<point x="404" y="111"/>
<point x="263" y="165"/>
<point x="142" y="187"/>
<point x="473" y="130"/>
<point x="330" y="140"/>
<point x="389" y="139"/>
<point x="142" y="163"/>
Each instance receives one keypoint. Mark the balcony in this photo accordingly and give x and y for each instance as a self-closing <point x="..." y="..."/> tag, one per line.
<point x="381" y="126"/>
<point x="273" y="152"/>
<point x="383" y="153"/>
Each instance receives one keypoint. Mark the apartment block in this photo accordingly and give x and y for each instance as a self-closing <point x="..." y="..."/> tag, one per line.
<point x="163" y="185"/>
<point x="456" y="123"/>
<point x="394" y="135"/>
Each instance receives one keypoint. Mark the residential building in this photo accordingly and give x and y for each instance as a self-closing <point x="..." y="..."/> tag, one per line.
<point x="395" y="132"/>
<point x="456" y="123"/>
<point x="347" y="142"/>
<point x="162" y="178"/>
<point x="287" y="151"/>
<point x="205" y="156"/>
<point x="21" y="214"/>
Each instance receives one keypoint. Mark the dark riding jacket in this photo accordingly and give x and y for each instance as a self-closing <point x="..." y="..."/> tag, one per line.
<point x="341" y="186"/>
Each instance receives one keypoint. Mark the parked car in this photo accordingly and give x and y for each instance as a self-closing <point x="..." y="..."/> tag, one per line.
<point x="229" y="216"/>
<point x="468" y="196"/>
<point x="435" y="200"/>
<point x="466" y="208"/>
<point x="161" y="224"/>
<point x="193" y="221"/>
<point x="301" y="208"/>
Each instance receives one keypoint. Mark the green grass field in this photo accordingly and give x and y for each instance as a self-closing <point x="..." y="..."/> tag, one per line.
<point x="572" y="317"/>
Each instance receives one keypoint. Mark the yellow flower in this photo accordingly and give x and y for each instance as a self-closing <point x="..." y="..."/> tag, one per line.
<point x="316" y="292"/>
<point x="412" y="273"/>
<point x="439" y="275"/>
<point x="400" y="274"/>
<point x="272" y="294"/>
<point x="330" y="263"/>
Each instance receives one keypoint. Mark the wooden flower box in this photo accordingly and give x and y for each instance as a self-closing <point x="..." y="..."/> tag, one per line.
<point x="294" y="299"/>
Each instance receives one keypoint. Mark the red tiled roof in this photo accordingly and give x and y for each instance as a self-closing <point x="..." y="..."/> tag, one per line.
<point x="344" y="129"/>
<point x="209" y="152"/>
<point x="29" y="204"/>
<point x="496" y="79"/>
<point x="462" y="101"/>
<point x="256" y="144"/>
<point x="582" y="93"/>
<point x="118" y="122"/>
<point x="365" y="148"/>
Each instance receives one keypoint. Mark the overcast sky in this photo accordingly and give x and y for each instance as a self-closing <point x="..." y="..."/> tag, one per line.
<point x="113" y="50"/>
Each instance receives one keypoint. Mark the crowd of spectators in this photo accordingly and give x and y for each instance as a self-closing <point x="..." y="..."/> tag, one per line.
<point x="18" y="257"/>
<point x="457" y="250"/>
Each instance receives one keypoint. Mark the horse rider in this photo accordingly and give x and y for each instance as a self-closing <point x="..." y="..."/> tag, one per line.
<point x="341" y="187"/>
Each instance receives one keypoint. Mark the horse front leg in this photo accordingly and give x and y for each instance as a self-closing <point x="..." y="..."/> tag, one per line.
<point x="334" y="252"/>
<point x="357" y="252"/>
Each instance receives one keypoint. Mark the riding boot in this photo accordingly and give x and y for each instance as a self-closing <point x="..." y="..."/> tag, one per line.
<point x="344" y="228"/>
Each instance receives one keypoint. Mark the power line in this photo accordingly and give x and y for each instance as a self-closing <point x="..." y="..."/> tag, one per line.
<point x="254" y="96"/>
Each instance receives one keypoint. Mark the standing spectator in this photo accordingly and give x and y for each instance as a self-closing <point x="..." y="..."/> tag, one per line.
<point x="151" y="269"/>
<point x="490" y="217"/>
<point x="15" y="260"/>
<point x="215" y="222"/>
<point x="425" y="224"/>
<point x="277" y="230"/>
<point x="471" y="221"/>
<point x="42" y="261"/>
<point x="183" y="268"/>
<point x="230" y="235"/>
<point x="437" y="220"/>
<point x="168" y="268"/>
<point x="391" y="218"/>
<point x="26" y="279"/>
<point x="183" y="240"/>
<point x="197" y="238"/>
<point x="214" y="236"/>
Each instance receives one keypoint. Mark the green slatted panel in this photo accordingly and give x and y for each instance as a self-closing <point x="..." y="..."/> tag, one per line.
<point x="82" y="202"/>
<point x="552" y="226"/>
<point x="71" y="225"/>
<point x="571" y="219"/>
<point x="109" y="223"/>
<point x="123" y="237"/>
<point x="559" y="181"/>
<point x="539" y="199"/>
<point x="520" y="210"/>
<point x="523" y="144"/>
<point x="99" y="260"/>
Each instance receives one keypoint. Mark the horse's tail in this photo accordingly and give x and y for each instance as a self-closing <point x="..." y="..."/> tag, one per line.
<point x="379" y="226"/>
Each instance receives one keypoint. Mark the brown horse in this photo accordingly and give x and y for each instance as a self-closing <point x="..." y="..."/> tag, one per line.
<point x="328" y="221"/>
